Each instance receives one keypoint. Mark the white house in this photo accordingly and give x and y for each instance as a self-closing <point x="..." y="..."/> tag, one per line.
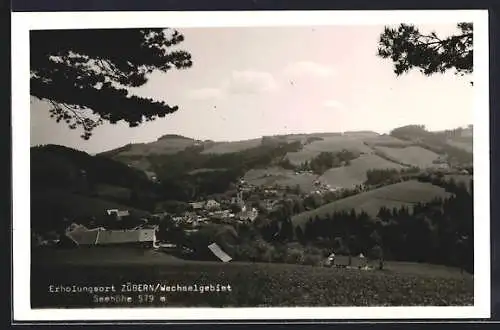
<point x="212" y="204"/>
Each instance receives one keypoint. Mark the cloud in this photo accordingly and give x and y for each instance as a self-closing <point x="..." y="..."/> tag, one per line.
<point x="334" y="104"/>
<point x="251" y="82"/>
<point x="306" y="68"/>
<point x="206" y="94"/>
<point x="239" y="82"/>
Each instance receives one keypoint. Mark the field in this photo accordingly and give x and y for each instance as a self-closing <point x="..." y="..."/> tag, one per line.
<point x="229" y="147"/>
<point x="387" y="141"/>
<point x="280" y="176"/>
<point x="161" y="146"/>
<point x="355" y="173"/>
<point x="257" y="284"/>
<point x="328" y="144"/>
<point x="391" y="196"/>
<point x="413" y="155"/>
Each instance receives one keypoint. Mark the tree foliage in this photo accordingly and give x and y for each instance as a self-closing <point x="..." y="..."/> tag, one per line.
<point x="85" y="74"/>
<point x="409" y="48"/>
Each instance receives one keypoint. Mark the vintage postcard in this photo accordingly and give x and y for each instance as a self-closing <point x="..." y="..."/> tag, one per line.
<point x="251" y="165"/>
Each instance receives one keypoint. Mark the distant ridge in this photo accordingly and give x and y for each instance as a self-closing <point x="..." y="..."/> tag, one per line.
<point x="173" y="136"/>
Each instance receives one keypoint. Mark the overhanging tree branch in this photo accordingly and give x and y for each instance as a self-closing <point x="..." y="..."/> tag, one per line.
<point x="83" y="69"/>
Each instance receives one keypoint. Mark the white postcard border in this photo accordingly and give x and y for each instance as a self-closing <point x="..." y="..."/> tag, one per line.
<point x="22" y="23"/>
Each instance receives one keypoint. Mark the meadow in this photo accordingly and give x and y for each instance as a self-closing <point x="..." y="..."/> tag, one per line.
<point x="233" y="146"/>
<point x="355" y="173"/>
<point x="257" y="284"/>
<point x="328" y="144"/>
<point x="392" y="196"/>
<point x="410" y="156"/>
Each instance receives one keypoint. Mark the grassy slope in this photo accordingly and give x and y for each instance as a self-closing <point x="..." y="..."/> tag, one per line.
<point x="161" y="146"/>
<point x="228" y="147"/>
<point x="328" y="144"/>
<point x="412" y="155"/>
<point x="78" y="205"/>
<point x="395" y="195"/>
<point x="280" y="176"/>
<point x="355" y="173"/>
<point x="111" y="191"/>
<point x="261" y="284"/>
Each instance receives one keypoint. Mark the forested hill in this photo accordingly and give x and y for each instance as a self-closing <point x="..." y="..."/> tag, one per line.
<point x="61" y="167"/>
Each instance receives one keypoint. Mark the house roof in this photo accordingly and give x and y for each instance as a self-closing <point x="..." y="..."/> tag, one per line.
<point x="344" y="260"/>
<point x="99" y="236"/>
<point x="217" y="251"/>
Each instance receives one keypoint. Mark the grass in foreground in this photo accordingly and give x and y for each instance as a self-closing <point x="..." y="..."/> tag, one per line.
<point x="255" y="285"/>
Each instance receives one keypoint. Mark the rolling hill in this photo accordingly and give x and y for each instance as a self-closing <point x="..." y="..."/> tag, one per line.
<point x="409" y="156"/>
<point x="328" y="144"/>
<point x="355" y="173"/>
<point x="77" y="205"/>
<point x="230" y="147"/>
<point x="276" y="175"/>
<point x="406" y="146"/>
<point x="70" y="183"/>
<point x="392" y="196"/>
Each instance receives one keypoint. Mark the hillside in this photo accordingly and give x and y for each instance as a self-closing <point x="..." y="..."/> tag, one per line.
<point x="259" y="159"/>
<point x="258" y="284"/>
<point x="58" y="166"/>
<point x="409" y="156"/>
<point x="276" y="175"/>
<point x="392" y="196"/>
<point x="328" y="144"/>
<point x="181" y="168"/>
<point x="355" y="173"/>
<point x="76" y="205"/>
<point x="230" y="147"/>
<point x="167" y="144"/>
<point x="67" y="183"/>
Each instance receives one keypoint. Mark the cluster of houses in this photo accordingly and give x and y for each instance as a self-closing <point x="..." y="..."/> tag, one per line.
<point x="320" y="187"/>
<point x="344" y="261"/>
<point x="214" y="211"/>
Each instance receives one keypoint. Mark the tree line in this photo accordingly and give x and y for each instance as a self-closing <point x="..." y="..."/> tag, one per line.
<point x="439" y="231"/>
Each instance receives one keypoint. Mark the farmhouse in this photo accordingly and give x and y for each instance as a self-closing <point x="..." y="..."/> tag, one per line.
<point x="81" y="235"/>
<point x="197" y="205"/>
<point x="151" y="176"/>
<point x="344" y="261"/>
<point x="118" y="213"/>
<point x="212" y="204"/>
<point x="248" y="214"/>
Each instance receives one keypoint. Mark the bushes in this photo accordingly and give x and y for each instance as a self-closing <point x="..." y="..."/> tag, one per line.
<point x="261" y="251"/>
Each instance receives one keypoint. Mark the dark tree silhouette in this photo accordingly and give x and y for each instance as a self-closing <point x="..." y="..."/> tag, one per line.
<point x="84" y="74"/>
<point x="408" y="48"/>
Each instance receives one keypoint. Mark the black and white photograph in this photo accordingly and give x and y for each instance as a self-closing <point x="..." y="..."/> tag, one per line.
<point x="239" y="164"/>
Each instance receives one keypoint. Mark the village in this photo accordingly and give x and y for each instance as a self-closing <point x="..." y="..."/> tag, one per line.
<point x="123" y="228"/>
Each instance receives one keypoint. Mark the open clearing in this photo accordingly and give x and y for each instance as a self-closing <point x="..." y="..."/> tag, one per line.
<point x="328" y="144"/>
<point x="257" y="284"/>
<point x="355" y="173"/>
<point x="412" y="156"/>
<point x="276" y="175"/>
<point x="230" y="147"/>
<point x="163" y="146"/>
<point x="396" y="195"/>
<point x="387" y="141"/>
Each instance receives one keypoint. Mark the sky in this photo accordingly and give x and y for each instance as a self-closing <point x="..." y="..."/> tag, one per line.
<point x="255" y="81"/>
